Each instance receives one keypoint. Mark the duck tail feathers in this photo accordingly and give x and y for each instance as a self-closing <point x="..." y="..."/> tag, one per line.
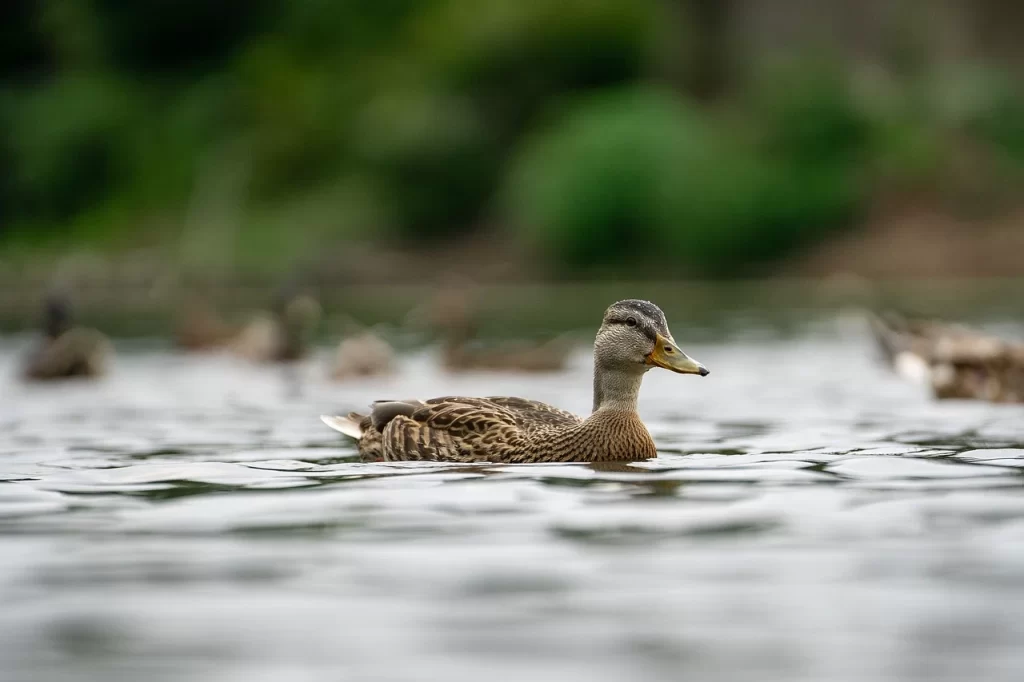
<point x="350" y="425"/>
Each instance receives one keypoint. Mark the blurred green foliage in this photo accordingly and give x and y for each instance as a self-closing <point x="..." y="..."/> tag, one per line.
<point x="637" y="176"/>
<point x="274" y="126"/>
<point x="65" y="158"/>
<point x="598" y="187"/>
<point x="1000" y="118"/>
<point x="806" y="114"/>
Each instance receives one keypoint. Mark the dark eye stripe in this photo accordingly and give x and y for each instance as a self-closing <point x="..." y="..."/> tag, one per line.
<point x="641" y="327"/>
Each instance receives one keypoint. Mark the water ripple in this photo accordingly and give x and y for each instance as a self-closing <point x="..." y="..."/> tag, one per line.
<point x="809" y="517"/>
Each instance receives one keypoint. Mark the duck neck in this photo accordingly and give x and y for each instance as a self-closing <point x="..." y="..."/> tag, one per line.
<point x="616" y="390"/>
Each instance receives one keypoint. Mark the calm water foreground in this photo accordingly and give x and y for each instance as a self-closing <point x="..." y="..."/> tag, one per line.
<point x="809" y="517"/>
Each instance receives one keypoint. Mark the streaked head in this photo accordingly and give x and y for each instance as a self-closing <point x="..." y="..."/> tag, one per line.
<point x="634" y="335"/>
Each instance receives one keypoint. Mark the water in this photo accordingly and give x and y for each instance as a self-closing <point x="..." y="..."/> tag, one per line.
<point x="809" y="517"/>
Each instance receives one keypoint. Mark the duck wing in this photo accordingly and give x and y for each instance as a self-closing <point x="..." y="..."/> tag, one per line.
<point x="462" y="429"/>
<point x="452" y="429"/>
<point x="532" y="415"/>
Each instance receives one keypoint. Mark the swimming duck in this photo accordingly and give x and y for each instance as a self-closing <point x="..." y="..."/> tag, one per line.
<point x="199" y="327"/>
<point x="452" y="312"/>
<point x="633" y="338"/>
<point x="459" y="353"/>
<point x="284" y="335"/>
<point x="65" y="350"/>
<point x="362" y="354"/>
<point x="297" y="320"/>
<point x="954" y="361"/>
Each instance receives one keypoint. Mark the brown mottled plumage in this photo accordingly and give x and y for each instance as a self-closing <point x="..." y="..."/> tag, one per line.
<point x="955" y="361"/>
<point x="633" y="338"/>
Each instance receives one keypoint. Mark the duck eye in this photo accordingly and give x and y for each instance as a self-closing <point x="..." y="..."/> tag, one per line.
<point x="630" y="321"/>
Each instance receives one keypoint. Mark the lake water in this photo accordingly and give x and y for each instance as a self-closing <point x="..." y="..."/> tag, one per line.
<point x="810" y="517"/>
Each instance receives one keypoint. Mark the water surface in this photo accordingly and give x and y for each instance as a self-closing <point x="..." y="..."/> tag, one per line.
<point x="809" y="517"/>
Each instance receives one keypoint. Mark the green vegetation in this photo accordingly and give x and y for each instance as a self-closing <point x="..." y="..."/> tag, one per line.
<point x="251" y="134"/>
<point x="639" y="176"/>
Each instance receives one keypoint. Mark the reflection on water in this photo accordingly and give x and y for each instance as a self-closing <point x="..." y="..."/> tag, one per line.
<point x="810" y="517"/>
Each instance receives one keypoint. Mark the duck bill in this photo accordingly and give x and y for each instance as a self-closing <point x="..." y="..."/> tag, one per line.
<point x="666" y="354"/>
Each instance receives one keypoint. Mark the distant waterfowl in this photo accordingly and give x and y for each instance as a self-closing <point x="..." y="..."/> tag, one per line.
<point x="258" y="340"/>
<point x="66" y="351"/>
<point x="633" y="338"/>
<point x="507" y="356"/>
<point x="452" y="314"/>
<point x="362" y="354"/>
<point x="199" y="327"/>
<point x="954" y="361"/>
<point x="283" y="336"/>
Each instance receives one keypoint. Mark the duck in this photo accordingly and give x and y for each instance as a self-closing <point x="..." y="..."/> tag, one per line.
<point x="362" y="353"/>
<point x="66" y="351"/>
<point x="199" y="326"/>
<point x="632" y="339"/>
<point x="281" y="336"/>
<point x="452" y="312"/>
<point x="954" y="361"/>
<point x="459" y="353"/>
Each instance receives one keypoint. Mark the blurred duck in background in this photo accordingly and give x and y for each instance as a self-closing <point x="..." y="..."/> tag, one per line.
<point x="285" y="334"/>
<point x="452" y="313"/>
<point x="954" y="361"/>
<point x="361" y="353"/>
<point x="200" y="327"/>
<point x="461" y="353"/>
<point x="66" y="351"/>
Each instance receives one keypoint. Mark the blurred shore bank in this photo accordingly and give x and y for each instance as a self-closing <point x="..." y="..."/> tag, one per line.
<point x="128" y="304"/>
